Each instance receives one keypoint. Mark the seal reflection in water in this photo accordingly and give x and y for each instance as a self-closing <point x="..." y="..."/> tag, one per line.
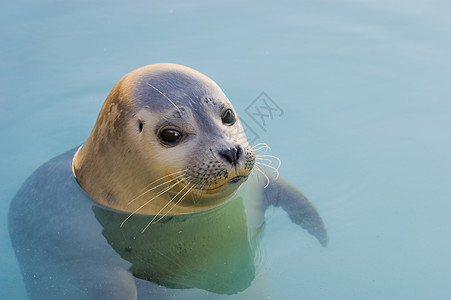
<point x="165" y="200"/>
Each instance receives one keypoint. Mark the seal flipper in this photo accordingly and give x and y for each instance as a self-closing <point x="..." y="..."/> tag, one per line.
<point x="298" y="207"/>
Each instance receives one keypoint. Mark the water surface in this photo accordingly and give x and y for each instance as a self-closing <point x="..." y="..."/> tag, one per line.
<point x="365" y="91"/>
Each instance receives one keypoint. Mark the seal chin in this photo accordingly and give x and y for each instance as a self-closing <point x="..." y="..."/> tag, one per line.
<point x="214" y="195"/>
<point x="230" y="184"/>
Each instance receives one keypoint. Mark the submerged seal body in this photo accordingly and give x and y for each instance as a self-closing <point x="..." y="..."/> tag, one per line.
<point x="162" y="200"/>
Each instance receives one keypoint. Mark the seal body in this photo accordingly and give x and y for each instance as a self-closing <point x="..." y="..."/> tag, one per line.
<point x="160" y="203"/>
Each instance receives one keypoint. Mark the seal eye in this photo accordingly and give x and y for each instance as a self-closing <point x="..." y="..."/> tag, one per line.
<point x="170" y="137"/>
<point x="228" y="118"/>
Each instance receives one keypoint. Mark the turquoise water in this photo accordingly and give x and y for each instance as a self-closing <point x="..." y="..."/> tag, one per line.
<point x="365" y="90"/>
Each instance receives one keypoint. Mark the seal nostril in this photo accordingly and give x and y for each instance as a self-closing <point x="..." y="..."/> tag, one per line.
<point x="227" y="157"/>
<point x="231" y="155"/>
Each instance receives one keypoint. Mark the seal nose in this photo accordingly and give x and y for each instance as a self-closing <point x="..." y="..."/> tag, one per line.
<point x="231" y="155"/>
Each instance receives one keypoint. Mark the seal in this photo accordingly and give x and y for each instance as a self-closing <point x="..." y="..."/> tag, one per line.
<point x="186" y="137"/>
<point x="165" y="199"/>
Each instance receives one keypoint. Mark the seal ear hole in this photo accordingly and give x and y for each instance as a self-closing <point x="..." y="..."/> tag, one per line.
<point x="140" y="126"/>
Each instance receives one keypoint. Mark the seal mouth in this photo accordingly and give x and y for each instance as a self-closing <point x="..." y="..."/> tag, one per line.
<point x="237" y="179"/>
<point x="232" y="181"/>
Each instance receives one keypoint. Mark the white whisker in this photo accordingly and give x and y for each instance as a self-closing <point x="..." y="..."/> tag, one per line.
<point x="272" y="156"/>
<point x="271" y="167"/>
<point x="164" y="96"/>
<point x="265" y="159"/>
<point x="153" y="198"/>
<point x="182" y="171"/>
<point x="263" y="173"/>
<point x="200" y="188"/>
<point x="261" y="146"/>
<point x="151" y="189"/>
<point x="158" y="213"/>
<point x="181" y="198"/>
<point x="258" y="145"/>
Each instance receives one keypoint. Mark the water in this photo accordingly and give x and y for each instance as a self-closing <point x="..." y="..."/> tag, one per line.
<point x="365" y="91"/>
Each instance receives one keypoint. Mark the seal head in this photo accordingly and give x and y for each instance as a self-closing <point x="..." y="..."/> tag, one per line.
<point x="166" y="141"/>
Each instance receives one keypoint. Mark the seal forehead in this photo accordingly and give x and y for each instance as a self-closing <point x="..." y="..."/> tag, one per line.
<point x="163" y="86"/>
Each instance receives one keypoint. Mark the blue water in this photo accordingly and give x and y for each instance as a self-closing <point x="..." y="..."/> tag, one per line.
<point x="365" y="90"/>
